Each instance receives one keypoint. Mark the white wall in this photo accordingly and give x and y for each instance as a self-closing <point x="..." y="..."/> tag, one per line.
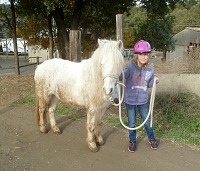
<point x="177" y="54"/>
<point x="37" y="51"/>
<point x="179" y="83"/>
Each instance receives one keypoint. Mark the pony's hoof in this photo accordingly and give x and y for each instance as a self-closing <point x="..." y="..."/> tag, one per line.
<point x="43" y="129"/>
<point x="56" y="130"/>
<point x="100" y="141"/>
<point x="93" y="147"/>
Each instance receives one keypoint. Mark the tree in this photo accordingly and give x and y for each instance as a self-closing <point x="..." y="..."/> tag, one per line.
<point x="50" y="30"/>
<point x="33" y="26"/>
<point x="158" y="27"/>
<point x="8" y="17"/>
<point x="76" y="14"/>
<point x="158" y="33"/>
<point x="190" y="3"/>
<point x="13" y="28"/>
<point x="186" y="16"/>
<point x="132" y="20"/>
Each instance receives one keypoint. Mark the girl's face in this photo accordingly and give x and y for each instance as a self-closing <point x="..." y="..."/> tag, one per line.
<point x="143" y="58"/>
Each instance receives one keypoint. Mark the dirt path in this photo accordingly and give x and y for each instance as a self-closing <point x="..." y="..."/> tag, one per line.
<point x="23" y="148"/>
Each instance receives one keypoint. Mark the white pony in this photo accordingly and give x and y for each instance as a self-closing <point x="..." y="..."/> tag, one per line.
<point x="89" y="83"/>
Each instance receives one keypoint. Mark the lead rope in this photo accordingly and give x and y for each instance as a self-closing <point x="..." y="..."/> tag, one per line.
<point x="151" y="105"/>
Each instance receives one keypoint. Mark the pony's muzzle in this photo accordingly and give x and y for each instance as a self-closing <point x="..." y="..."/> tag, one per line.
<point x="109" y="85"/>
<point x="111" y="90"/>
<point x="108" y="91"/>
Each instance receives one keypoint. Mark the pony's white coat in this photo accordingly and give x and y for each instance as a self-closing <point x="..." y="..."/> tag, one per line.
<point x="89" y="83"/>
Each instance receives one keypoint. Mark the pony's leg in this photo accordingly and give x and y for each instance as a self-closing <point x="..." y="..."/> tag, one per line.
<point x="91" y="124"/>
<point x="42" y="115"/>
<point x="99" y="138"/>
<point x="52" y="106"/>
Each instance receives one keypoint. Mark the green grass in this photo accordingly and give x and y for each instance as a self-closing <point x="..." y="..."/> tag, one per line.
<point x="176" y="116"/>
<point x="112" y="121"/>
<point x="71" y="111"/>
<point x="27" y="99"/>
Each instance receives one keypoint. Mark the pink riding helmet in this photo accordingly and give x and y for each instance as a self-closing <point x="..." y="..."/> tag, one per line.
<point x="142" y="46"/>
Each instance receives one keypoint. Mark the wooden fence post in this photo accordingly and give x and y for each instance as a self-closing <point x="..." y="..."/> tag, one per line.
<point x="120" y="27"/>
<point x="75" y="45"/>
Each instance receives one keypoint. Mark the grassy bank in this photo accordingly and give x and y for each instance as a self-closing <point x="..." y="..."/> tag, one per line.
<point x="176" y="116"/>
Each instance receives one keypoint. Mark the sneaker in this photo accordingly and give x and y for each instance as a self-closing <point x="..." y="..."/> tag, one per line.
<point x="132" y="146"/>
<point x="154" y="144"/>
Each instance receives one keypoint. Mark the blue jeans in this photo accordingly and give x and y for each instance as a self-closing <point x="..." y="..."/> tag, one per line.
<point x="143" y="110"/>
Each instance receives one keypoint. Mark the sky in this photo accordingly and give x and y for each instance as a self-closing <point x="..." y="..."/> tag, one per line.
<point x="4" y="1"/>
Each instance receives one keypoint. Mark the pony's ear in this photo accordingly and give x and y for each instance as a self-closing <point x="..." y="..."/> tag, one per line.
<point x="100" y="42"/>
<point x="120" y="44"/>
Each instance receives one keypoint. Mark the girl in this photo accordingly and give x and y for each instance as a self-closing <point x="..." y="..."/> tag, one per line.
<point x="139" y="76"/>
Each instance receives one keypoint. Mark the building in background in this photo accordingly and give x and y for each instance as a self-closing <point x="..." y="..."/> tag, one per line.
<point x="6" y="46"/>
<point x="185" y="41"/>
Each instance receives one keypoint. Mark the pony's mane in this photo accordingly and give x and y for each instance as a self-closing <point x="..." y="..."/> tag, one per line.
<point x="108" y="52"/>
<point x="111" y="53"/>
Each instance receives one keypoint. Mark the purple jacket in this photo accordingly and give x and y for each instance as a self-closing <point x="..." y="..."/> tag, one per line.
<point x="137" y="82"/>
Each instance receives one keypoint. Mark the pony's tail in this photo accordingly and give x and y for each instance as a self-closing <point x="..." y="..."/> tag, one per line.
<point x="37" y="110"/>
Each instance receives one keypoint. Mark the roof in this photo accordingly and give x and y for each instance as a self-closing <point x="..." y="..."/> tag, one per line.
<point x="194" y="28"/>
<point x="189" y="34"/>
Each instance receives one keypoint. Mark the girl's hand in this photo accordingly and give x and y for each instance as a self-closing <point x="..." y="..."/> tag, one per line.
<point x="157" y="79"/>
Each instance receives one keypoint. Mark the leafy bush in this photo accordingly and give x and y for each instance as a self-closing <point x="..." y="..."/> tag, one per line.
<point x="177" y="116"/>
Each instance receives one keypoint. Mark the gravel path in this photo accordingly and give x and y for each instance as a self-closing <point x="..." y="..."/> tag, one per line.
<point x="7" y="65"/>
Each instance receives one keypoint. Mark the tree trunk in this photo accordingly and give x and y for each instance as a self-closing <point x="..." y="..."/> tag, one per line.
<point x="75" y="45"/>
<point x="63" y="36"/>
<point x="51" y="41"/>
<point x="78" y="6"/>
<point x="120" y="27"/>
<point x="13" y="19"/>
<point x="164" y="55"/>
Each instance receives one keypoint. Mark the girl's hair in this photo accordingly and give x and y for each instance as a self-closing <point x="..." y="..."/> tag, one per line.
<point x="135" y="59"/>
